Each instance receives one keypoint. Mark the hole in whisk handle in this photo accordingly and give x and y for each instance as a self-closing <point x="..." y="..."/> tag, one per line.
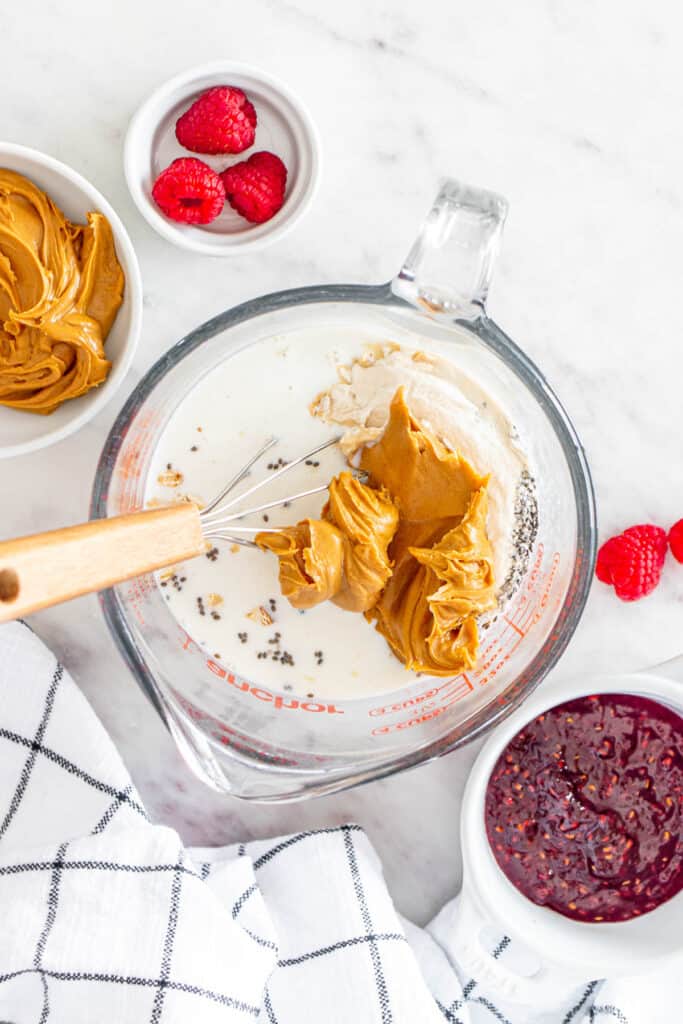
<point x="9" y="586"/>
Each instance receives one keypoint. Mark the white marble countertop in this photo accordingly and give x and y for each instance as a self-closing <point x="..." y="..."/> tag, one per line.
<point x="572" y="112"/>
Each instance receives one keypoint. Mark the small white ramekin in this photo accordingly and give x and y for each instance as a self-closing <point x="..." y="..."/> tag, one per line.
<point x="566" y="952"/>
<point x="22" y="432"/>
<point x="283" y="127"/>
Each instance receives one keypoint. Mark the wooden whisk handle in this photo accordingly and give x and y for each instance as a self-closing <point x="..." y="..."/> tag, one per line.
<point x="48" y="568"/>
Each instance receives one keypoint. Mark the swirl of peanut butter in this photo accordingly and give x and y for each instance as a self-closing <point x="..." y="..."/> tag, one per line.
<point x="367" y="519"/>
<point x="428" y="610"/>
<point x="428" y="481"/>
<point x="341" y="558"/>
<point x="61" y="286"/>
<point x="410" y="549"/>
<point x="443" y="562"/>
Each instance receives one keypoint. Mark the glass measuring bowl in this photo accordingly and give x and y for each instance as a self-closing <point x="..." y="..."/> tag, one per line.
<point x="257" y="742"/>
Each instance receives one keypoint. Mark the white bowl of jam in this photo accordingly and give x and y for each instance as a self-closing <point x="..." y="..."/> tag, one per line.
<point x="572" y="833"/>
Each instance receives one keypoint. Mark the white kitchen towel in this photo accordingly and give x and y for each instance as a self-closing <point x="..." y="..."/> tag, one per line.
<point x="105" y="917"/>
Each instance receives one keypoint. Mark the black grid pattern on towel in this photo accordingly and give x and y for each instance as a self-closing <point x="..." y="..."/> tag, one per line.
<point x="171" y="926"/>
<point x="585" y="996"/>
<point x="139" y="981"/>
<point x="372" y="940"/>
<point x="608" y="1013"/>
<point x="121" y="798"/>
<point x="69" y="766"/>
<point x="449" y="1012"/>
<point x="164" y="978"/>
<point x="164" y="981"/>
<point x="35" y="747"/>
<point x="380" y="979"/>
<point x="159" y="982"/>
<point x="52" y="902"/>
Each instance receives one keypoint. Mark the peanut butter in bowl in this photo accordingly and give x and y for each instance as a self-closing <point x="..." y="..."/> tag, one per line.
<point x="61" y="286"/>
<point x="410" y="549"/>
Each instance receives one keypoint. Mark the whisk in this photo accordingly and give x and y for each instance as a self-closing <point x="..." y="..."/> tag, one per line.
<point x="45" y="569"/>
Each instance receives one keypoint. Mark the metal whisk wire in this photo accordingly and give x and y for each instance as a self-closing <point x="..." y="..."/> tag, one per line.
<point x="217" y="518"/>
<point x="240" y="475"/>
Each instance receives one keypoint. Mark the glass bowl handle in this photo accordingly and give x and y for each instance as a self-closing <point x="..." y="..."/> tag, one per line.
<point x="449" y="267"/>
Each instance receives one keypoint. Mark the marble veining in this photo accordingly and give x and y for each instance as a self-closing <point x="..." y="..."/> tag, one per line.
<point x="572" y="112"/>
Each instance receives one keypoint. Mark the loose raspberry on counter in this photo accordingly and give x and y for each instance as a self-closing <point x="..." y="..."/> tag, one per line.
<point x="189" y="191"/>
<point x="676" y="540"/>
<point x="222" y="120"/>
<point x="256" y="187"/>
<point x="632" y="561"/>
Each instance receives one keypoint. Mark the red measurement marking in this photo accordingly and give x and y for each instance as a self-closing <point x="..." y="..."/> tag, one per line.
<point x="449" y="693"/>
<point x="512" y="624"/>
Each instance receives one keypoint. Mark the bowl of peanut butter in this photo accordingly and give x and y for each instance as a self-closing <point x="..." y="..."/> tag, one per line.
<point x="70" y="300"/>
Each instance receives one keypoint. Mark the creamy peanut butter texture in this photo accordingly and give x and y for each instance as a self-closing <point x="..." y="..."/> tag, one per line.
<point x="343" y="556"/>
<point x="61" y="286"/>
<point x="409" y="549"/>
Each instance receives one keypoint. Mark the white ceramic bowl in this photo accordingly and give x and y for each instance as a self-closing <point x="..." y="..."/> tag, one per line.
<point x="283" y="126"/>
<point x="563" y="952"/>
<point x="22" y="432"/>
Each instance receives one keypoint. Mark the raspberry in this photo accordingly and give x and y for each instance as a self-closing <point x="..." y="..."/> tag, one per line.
<point x="256" y="187"/>
<point x="189" y="191"/>
<point x="222" y="120"/>
<point x="632" y="561"/>
<point x="676" y="540"/>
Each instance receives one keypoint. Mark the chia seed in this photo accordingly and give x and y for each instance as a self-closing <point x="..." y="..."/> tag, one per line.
<point x="524" y="535"/>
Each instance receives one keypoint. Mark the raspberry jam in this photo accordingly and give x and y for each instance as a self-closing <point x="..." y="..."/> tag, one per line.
<point x="584" y="807"/>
